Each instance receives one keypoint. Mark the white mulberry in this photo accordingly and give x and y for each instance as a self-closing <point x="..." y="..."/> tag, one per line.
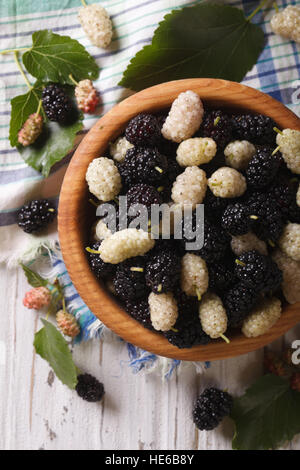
<point x="96" y="24"/>
<point x="289" y="241"/>
<point x="289" y="142"/>
<point x="185" y="117"/>
<point x="31" y="130"/>
<point x="67" y="324"/>
<point x="119" y="148"/>
<point x="163" y="311"/>
<point x="298" y="196"/>
<point x="194" y="275"/>
<point x="287" y="23"/>
<point x="263" y="317"/>
<point x="101" y="231"/>
<point x="227" y="182"/>
<point x="87" y="96"/>
<point x="239" y="153"/>
<point x="248" y="242"/>
<point x="125" y="244"/>
<point x="291" y="276"/>
<point x="196" y="151"/>
<point x="103" y="179"/>
<point x="189" y="188"/>
<point x="212" y="315"/>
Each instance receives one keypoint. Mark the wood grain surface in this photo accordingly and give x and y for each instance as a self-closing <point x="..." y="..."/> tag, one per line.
<point x="74" y="212"/>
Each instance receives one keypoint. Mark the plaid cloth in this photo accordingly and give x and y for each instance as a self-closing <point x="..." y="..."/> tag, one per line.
<point x="276" y="73"/>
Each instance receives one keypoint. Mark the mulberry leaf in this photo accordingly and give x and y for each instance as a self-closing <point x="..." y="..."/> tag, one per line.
<point x="206" y="40"/>
<point x="267" y="415"/>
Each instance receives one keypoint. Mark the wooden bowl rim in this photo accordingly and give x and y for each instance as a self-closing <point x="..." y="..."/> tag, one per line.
<point x="101" y="303"/>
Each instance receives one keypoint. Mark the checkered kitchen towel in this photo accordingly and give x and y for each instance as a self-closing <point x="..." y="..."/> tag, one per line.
<point x="276" y="73"/>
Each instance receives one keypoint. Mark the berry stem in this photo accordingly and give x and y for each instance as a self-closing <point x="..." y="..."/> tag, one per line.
<point x="64" y="305"/>
<point x="276" y="7"/>
<point x="253" y="217"/>
<point x="94" y="252"/>
<point x="277" y="130"/>
<point x="260" y="6"/>
<point x="38" y="112"/>
<point x="9" y="51"/>
<point x="84" y="3"/>
<point x="157" y="168"/>
<point x="216" y="121"/>
<point x="159" y="288"/>
<point x="199" y="296"/>
<point x="240" y="263"/>
<point x="138" y="270"/>
<point x="93" y="202"/>
<point x="73" y="80"/>
<point x="225" y="339"/>
<point x="276" y="150"/>
<point x="16" y="57"/>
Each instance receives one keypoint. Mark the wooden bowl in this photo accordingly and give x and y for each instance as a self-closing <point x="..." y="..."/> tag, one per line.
<point x="74" y="213"/>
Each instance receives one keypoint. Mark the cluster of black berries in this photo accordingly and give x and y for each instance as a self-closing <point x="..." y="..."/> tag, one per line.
<point x="36" y="215"/>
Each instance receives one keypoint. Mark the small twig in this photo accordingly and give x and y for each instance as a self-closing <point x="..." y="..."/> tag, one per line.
<point x="38" y="112"/>
<point x="9" y="51"/>
<point x="16" y="57"/>
<point x="256" y="10"/>
<point x="73" y="80"/>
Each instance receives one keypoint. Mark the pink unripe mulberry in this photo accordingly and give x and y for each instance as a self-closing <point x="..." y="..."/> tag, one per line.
<point x="37" y="298"/>
<point x="31" y="130"/>
<point x="67" y="324"/>
<point x="87" y="96"/>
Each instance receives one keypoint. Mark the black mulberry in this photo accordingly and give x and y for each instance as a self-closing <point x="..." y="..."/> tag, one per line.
<point x="210" y="408"/>
<point x="236" y="219"/>
<point x="56" y="103"/>
<point x="257" y="129"/>
<point x="218" y="127"/>
<point x="143" y="130"/>
<point x="262" y="169"/>
<point x="143" y="165"/>
<point x="129" y="280"/>
<point x="89" y="388"/>
<point x="163" y="271"/>
<point x="36" y="215"/>
<point x="238" y="302"/>
<point x="101" y="269"/>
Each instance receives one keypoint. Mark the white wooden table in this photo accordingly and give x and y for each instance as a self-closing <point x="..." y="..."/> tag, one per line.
<point x="138" y="412"/>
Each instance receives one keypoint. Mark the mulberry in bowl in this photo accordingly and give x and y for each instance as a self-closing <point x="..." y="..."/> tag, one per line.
<point x="226" y="298"/>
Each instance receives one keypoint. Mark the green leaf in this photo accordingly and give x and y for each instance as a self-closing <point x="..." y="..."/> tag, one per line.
<point x="33" y="278"/>
<point x="206" y="40"/>
<point x="51" y="346"/>
<point x="21" y="108"/>
<point x="52" y="58"/>
<point x="51" y="147"/>
<point x="267" y="415"/>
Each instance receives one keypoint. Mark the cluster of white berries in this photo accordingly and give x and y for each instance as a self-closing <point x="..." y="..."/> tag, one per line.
<point x="163" y="311"/>
<point x="189" y="188"/>
<point x="289" y="142"/>
<point x="287" y="23"/>
<point x="119" y="148"/>
<point x="227" y="182"/>
<point x="125" y="244"/>
<point x="263" y="317"/>
<point x="96" y="24"/>
<point x="289" y="241"/>
<point x="213" y="315"/>
<point x="291" y="276"/>
<point x="242" y="243"/>
<point x="196" y="151"/>
<point x="239" y="153"/>
<point x="103" y="179"/>
<point x="194" y="275"/>
<point x="177" y="128"/>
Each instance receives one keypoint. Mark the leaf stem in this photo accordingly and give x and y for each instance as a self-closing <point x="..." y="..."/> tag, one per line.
<point x="256" y="10"/>
<point x="8" y="51"/>
<point x="73" y="79"/>
<point x="39" y="109"/>
<point x="16" y="57"/>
